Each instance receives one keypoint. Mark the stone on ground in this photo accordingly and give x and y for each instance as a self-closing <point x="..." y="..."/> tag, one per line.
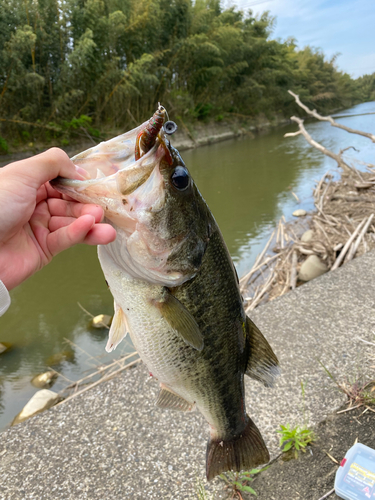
<point x="44" y="380"/>
<point x="101" y="321"/>
<point x="299" y="213"/>
<point x="307" y="236"/>
<point x="312" y="268"/>
<point x="42" y="400"/>
<point x="4" y="347"/>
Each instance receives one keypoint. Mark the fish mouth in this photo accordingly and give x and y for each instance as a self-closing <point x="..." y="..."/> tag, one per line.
<point x="114" y="175"/>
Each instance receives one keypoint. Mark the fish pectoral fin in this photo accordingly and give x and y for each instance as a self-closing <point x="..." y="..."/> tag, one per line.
<point x="179" y="318"/>
<point x="169" y="399"/>
<point x="262" y="363"/>
<point x="117" y="330"/>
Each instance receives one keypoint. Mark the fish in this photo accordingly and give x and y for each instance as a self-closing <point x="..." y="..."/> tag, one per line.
<point x="176" y="290"/>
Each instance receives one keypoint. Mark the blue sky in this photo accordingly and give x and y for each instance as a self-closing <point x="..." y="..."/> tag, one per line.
<point x="344" y="26"/>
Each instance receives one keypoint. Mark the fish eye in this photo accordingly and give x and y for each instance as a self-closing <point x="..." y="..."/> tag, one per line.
<point x="180" y="178"/>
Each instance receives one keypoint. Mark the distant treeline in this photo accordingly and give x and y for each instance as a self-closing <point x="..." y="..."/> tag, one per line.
<point x="71" y="64"/>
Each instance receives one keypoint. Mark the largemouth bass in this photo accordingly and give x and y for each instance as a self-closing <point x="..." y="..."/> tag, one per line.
<point x="175" y="288"/>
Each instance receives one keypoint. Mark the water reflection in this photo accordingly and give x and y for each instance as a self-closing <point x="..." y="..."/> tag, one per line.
<point x="248" y="185"/>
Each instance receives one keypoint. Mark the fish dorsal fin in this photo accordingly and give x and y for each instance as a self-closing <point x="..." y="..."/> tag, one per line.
<point x="261" y="363"/>
<point x="118" y="329"/>
<point x="169" y="399"/>
<point x="179" y="319"/>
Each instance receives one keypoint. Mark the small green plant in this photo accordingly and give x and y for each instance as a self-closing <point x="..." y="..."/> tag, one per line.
<point x="238" y="482"/>
<point x="358" y="391"/>
<point x="201" y="492"/>
<point x="4" y="148"/>
<point x="296" y="437"/>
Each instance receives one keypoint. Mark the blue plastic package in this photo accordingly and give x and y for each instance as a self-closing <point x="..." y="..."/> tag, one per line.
<point x="355" y="478"/>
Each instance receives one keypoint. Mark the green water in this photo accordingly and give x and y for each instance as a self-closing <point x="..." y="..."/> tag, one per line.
<point x="247" y="184"/>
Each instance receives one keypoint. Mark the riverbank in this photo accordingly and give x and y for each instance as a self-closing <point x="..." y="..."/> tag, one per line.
<point x="188" y="136"/>
<point x="339" y="229"/>
<point x="113" y="442"/>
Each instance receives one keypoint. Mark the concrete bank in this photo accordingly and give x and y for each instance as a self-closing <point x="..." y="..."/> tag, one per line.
<point x="113" y="443"/>
<point x="201" y="134"/>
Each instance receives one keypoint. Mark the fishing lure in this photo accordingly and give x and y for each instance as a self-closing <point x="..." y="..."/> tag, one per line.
<point x="147" y="137"/>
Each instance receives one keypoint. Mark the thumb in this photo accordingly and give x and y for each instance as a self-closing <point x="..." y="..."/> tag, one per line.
<point x="46" y="166"/>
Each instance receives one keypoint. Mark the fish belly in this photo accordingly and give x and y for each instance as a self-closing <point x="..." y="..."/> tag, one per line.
<point x="165" y="354"/>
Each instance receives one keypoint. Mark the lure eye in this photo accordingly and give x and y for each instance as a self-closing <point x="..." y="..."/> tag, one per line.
<point x="180" y="178"/>
<point x="170" y="127"/>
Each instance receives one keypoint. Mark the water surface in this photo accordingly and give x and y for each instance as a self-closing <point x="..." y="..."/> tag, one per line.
<point x="247" y="183"/>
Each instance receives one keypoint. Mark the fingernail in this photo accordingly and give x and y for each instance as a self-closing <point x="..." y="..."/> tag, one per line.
<point x="82" y="172"/>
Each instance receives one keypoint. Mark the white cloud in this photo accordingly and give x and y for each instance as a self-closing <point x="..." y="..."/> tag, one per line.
<point x="335" y="26"/>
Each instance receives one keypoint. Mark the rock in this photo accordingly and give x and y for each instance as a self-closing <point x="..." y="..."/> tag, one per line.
<point x="299" y="213"/>
<point x="42" y="400"/>
<point x="312" y="268"/>
<point x="307" y="236"/>
<point x="101" y="321"/>
<point x="44" y="380"/>
<point x="5" y="347"/>
<point x="58" y="358"/>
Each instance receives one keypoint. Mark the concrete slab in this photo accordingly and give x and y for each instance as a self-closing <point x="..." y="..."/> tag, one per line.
<point x="113" y="443"/>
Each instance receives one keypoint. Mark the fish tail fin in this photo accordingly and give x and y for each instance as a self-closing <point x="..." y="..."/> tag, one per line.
<point x="242" y="452"/>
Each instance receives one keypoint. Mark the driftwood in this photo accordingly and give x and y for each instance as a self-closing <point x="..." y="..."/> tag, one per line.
<point x="330" y="119"/>
<point x="341" y="163"/>
<point x="342" y="227"/>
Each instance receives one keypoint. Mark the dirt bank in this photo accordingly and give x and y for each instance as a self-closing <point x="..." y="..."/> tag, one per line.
<point x="312" y="475"/>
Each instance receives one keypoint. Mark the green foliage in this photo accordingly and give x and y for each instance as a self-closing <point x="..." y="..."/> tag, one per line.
<point x="4" y="148"/>
<point x="112" y="61"/>
<point x="238" y="482"/>
<point x="296" y="438"/>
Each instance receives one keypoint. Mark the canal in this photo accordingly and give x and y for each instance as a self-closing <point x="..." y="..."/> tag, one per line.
<point x="247" y="183"/>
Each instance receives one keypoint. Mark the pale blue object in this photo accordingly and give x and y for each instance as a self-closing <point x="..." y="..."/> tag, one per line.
<point x="355" y="478"/>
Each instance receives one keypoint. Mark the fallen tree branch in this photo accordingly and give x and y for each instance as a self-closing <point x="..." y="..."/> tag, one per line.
<point x="104" y="379"/>
<point x="318" y="146"/>
<point x="347" y="245"/>
<point x="329" y="119"/>
<point x="354" y="249"/>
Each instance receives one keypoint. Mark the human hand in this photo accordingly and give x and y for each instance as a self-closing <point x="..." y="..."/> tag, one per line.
<point x="37" y="222"/>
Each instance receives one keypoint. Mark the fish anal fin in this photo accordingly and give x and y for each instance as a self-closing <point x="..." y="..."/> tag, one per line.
<point x="117" y="330"/>
<point x="242" y="452"/>
<point x="169" y="399"/>
<point x="261" y="362"/>
<point x="180" y="319"/>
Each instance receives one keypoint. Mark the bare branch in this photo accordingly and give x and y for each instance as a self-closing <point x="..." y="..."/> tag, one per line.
<point x="330" y="119"/>
<point x="347" y="245"/>
<point x="319" y="147"/>
<point x="293" y="134"/>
